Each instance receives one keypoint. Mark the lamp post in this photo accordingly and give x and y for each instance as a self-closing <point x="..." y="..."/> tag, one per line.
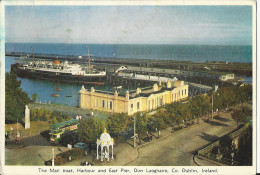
<point x="232" y="155"/>
<point x="52" y="156"/>
<point x="212" y="107"/>
<point x="89" y="67"/>
<point x="134" y="133"/>
<point x="212" y="104"/>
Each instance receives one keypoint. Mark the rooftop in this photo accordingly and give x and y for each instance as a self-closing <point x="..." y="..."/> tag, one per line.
<point x="66" y="123"/>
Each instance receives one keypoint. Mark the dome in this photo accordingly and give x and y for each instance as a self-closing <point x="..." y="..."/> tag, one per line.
<point x="105" y="138"/>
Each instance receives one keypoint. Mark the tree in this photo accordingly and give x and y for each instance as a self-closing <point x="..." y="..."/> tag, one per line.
<point x="35" y="97"/>
<point x="117" y="123"/>
<point x="158" y="121"/>
<point x="69" y="137"/>
<point x="242" y="95"/>
<point x="244" y="152"/>
<point x="141" y="124"/>
<point x="238" y="115"/>
<point x="15" y="98"/>
<point x="89" y="129"/>
<point x="225" y="146"/>
<point x="227" y="96"/>
<point x="196" y="108"/>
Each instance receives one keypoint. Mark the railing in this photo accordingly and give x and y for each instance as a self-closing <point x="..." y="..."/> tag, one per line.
<point x="219" y="160"/>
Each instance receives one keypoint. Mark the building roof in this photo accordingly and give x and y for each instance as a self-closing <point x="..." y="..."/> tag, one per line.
<point x="66" y="123"/>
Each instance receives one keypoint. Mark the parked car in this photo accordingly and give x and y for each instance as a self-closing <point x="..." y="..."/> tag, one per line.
<point x="81" y="145"/>
<point x="86" y="164"/>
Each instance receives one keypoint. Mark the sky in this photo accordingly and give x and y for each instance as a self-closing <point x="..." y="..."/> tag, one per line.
<point x="204" y="25"/>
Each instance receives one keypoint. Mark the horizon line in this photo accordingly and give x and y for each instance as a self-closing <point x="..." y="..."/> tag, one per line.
<point x="129" y="43"/>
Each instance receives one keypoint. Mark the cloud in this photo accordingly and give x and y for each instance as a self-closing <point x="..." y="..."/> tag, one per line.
<point x="127" y="24"/>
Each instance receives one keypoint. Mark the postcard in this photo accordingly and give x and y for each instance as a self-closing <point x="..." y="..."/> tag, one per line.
<point x="128" y="87"/>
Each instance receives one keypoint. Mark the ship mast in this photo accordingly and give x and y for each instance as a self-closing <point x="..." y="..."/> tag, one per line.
<point x="89" y="66"/>
<point x="32" y="53"/>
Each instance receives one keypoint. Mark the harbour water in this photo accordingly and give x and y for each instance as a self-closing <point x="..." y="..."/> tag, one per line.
<point x="69" y="94"/>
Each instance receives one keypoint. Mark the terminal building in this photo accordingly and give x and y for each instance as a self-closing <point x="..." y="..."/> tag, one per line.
<point x="223" y="76"/>
<point x="141" y="99"/>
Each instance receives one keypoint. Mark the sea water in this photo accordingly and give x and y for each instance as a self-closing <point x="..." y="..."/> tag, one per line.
<point x="69" y="94"/>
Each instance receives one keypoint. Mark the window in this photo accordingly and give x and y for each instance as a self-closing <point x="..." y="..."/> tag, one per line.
<point x="132" y="107"/>
<point x="103" y="103"/>
<point x="185" y="92"/>
<point x="182" y="92"/>
<point x="161" y="100"/>
<point x="138" y="105"/>
<point x="111" y="105"/>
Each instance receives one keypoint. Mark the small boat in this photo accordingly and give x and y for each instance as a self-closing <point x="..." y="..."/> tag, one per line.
<point x="58" y="89"/>
<point x="55" y="95"/>
<point x="69" y="96"/>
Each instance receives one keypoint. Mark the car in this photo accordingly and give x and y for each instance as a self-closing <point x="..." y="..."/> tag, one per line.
<point x="81" y="145"/>
<point x="123" y="133"/>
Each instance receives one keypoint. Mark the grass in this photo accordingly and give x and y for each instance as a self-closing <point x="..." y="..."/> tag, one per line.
<point x="71" y="111"/>
<point x="35" y="127"/>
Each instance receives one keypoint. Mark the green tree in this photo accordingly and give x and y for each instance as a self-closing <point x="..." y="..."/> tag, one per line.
<point x="238" y="115"/>
<point x="35" y="97"/>
<point x="117" y="123"/>
<point x="15" y="98"/>
<point x="225" y="146"/>
<point x="54" y="120"/>
<point x="158" y="120"/>
<point x="195" y="106"/>
<point x="141" y="124"/>
<point x="247" y="111"/>
<point x="227" y="96"/>
<point x="89" y="129"/>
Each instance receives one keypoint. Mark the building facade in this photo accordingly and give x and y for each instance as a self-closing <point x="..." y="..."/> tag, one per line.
<point x="145" y="99"/>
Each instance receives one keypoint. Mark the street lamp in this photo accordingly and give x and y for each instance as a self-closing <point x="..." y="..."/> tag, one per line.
<point x="89" y="67"/>
<point x="134" y="133"/>
<point x="52" y="156"/>
<point x="212" y="105"/>
<point x="232" y="155"/>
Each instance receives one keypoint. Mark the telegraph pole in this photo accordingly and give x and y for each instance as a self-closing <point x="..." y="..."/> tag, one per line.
<point x="134" y="134"/>
<point x="212" y="107"/>
<point x="52" y="156"/>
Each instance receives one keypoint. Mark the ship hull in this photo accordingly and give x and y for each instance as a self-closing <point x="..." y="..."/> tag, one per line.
<point x="64" y="77"/>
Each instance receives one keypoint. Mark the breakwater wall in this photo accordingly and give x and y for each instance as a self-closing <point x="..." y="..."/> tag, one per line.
<point x="234" y="67"/>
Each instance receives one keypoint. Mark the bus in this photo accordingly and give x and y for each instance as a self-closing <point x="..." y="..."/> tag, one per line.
<point x="56" y="130"/>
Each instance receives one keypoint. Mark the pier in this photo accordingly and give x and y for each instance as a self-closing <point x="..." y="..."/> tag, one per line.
<point x="234" y="67"/>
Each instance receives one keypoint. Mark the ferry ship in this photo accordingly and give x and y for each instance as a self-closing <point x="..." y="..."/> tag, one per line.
<point x="57" y="70"/>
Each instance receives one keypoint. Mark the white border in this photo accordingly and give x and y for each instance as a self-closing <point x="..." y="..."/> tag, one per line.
<point x="34" y="169"/>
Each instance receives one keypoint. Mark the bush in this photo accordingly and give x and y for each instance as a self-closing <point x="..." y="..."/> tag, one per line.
<point x="214" y="150"/>
<point x="46" y="115"/>
<point x="64" y="156"/>
<point x="69" y="137"/>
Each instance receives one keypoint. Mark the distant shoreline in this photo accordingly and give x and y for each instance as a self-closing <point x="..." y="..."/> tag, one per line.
<point x="137" y="44"/>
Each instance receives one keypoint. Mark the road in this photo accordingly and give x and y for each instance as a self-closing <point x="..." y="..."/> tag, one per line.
<point x="177" y="149"/>
<point x="170" y="150"/>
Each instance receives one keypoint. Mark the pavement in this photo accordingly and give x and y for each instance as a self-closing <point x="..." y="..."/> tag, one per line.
<point x="178" y="149"/>
<point x="171" y="149"/>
